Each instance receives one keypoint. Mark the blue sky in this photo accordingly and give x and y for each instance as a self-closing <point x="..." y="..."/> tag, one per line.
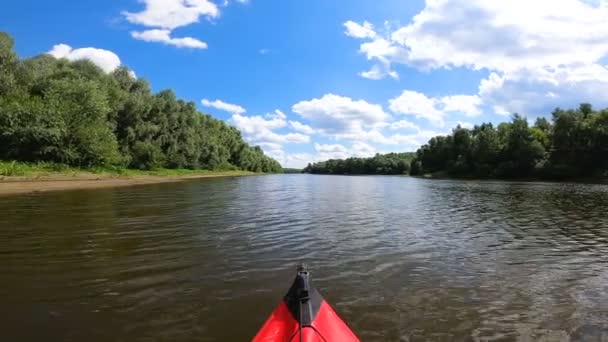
<point x="318" y="79"/>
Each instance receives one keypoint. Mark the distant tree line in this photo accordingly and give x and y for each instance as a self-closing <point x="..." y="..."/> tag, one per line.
<point x="292" y="170"/>
<point x="573" y="144"/>
<point x="73" y="113"/>
<point x="380" y="164"/>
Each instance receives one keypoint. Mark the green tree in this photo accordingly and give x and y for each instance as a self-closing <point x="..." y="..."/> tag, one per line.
<point x="8" y="63"/>
<point x="72" y="112"/>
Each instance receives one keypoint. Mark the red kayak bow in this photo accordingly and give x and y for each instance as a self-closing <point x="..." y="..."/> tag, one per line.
<point x="304" y="316"/>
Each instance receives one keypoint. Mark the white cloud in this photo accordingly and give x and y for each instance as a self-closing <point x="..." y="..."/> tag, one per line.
<point x="171" y="14"/>
<point x="224" y="106"/>
<point x="362" y="149"/>
<point x="361" y="146"/>
<point x="336" y="151"/>
<point x="300" y="127"/>
<point x="294" y="160"/>
<point x="467" y="104"/>
<point x="505" y="35"/>
<point x="384" y="53"/>
<point x="414" y="103"/>
<point x="466" y="125"/>
<point x="270" y="146"/>
<point x="359" y="31"/>
<point x="225" y="3"/>
<point x="166" y="15"/>
<point x="328" y="148"/>
<point x="264" y="51"/>
<point x="379" y="71"/>
<point x="359" y="123"/>
<point x="164" y="36"/>
<point x="404" y="124"/>
<point x="276" y="115"/>
<point x="340" y="116"/>
<point x="540" y="54"/>
<point x="260" y="129"/>
<point x="397" y="142"/>
<point x="434" y="109"/>
<point x="322" y="152"/>
<point x="105" y="59"/>
<point x="539" y="91"/>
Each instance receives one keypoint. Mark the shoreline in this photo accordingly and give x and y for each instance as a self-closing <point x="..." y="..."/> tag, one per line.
<point x="15" y="185"/>
<point x="574" y="180"/>
<point x="583" y="180"/>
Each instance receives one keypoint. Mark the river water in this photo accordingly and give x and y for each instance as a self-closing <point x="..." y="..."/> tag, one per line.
<point x="400" y="259"/>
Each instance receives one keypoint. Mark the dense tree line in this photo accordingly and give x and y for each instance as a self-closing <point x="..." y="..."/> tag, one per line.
<point x="291" y="170"/>
<point x="573" y="144"/>
<point x="73" y="113"/>
<point x="380" y="164"/>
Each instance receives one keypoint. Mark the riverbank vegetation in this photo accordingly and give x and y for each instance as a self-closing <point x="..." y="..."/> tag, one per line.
<point x="573" y="144"/>
<point x="380" y="164"/>
<point x="46" y="170"/>
<point x="72" y="113"/>
<point x="291" y="170"/>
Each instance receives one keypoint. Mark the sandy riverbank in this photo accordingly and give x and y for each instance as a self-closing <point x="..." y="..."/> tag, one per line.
<point x="22" y="185"/>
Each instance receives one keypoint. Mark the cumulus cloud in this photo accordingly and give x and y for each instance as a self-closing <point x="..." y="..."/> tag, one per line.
<point x="379" y="71"/>
<point x="335" y="148"/>
<point x="358" y="129"/>
<point x="339" y="115"/>
<point x="467" y="104"/>
<point x="533" y="50"/>
<point x="359" y="31"/>
<point x="434" y="109"/>
<point x="260" y="129"/>
<point x="414" y="103"/>
<point x="362" y="149"/>
<point x="224" y="106"/>
<point x="164" y="36"/>
<point x="404" y="124"/>
<point x="328" y="151"/>
<point x="300" y="127"/>
<point x="538" y="92"/>
<point x="171" y="14"/>
<point x="322" y="152"/>
<point x="166" y="15"/>
<point x="384" y="53"/>
<point x="505" y="35"/>
<point x="105" y="59"/>
<point x="363" y="124"/>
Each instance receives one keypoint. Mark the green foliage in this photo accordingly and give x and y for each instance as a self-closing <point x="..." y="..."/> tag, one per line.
<point x="574" y="144"/>
<point x="8" y="63"/>
<point x="380" y="164"/>
<point x="72" y="113"/>
<point x="291" y="170"/>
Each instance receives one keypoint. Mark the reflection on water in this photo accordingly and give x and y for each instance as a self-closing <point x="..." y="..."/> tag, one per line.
<point x="399" y="258"/>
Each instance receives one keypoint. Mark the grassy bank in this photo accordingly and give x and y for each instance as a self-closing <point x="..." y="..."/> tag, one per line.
<point x="41" y="170"/>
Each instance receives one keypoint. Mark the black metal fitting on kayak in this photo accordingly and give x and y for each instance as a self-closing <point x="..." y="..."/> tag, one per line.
<point x="303" y="300"/>
<point x="303" y="279"/>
